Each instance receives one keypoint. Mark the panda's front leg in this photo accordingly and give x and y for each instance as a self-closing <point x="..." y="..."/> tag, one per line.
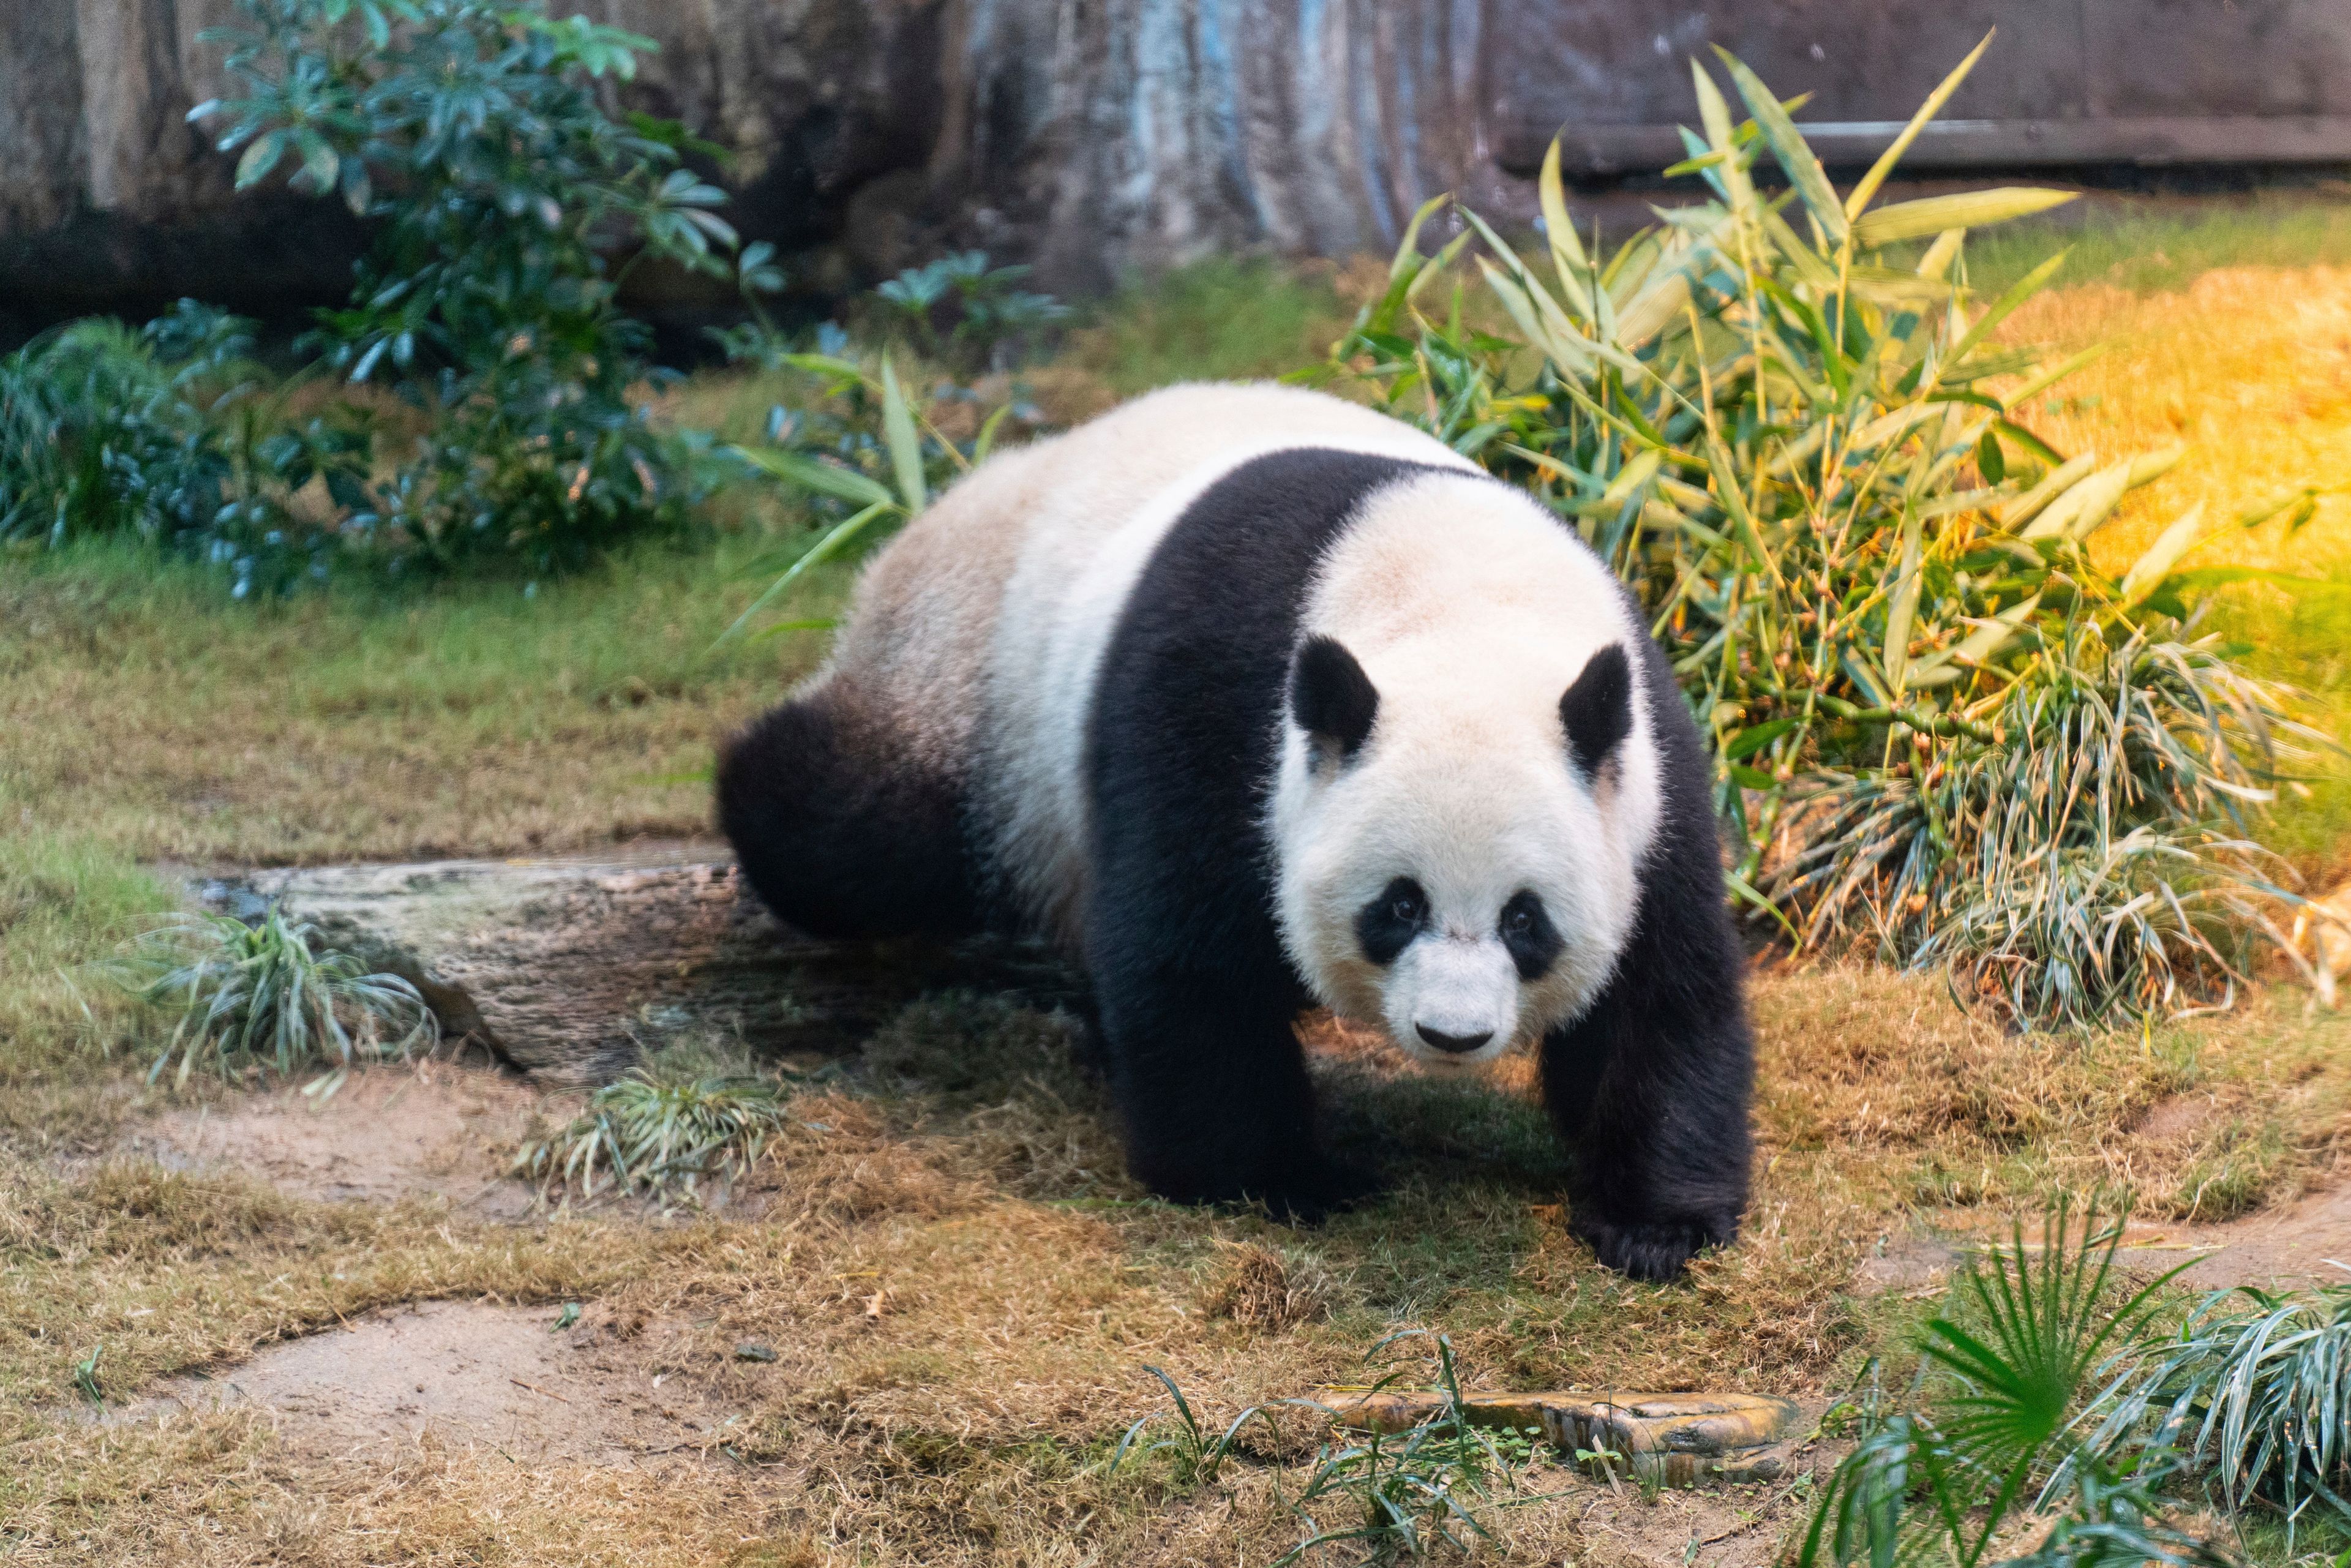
<point x="1650" y="1089"/>
<point x="1211" y="1084"/>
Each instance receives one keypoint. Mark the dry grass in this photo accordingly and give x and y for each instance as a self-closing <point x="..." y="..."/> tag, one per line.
<point x="961" y="1318"/>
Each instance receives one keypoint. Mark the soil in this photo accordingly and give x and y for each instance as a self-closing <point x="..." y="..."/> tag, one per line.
<point x="471" y="1374"/>
<point x="2305" y="1242"/>
<point x="431" y="1129"/>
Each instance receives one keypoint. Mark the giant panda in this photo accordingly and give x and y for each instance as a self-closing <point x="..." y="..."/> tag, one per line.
<point x="1252" y="698"/>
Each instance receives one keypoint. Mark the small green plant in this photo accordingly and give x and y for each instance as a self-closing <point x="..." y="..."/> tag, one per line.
<point x="863" y="469"/>
<point x="660" y="1129"/>
<point x="85" y="1378"/>
<point x="1941" y="728"/>
<point x="2256" y="1389"/>
<point x="961" y="312"/>
<point x="1409" y="1491"/>
<point x="502" y="194"/>
<point x="270" y="996"/>
<point x="1988" y="1441"/>
<point x="1195" y="1455"/>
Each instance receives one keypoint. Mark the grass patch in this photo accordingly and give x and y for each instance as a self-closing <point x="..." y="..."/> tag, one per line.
<point x="2154" y="245"/>
<point x="487" y="720"/>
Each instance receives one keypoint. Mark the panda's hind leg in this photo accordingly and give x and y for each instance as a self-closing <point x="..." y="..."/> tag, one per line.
<point x="843" y="827"/>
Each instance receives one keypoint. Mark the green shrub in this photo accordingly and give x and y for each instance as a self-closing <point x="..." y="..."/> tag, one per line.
<point x="1987" y="1444"/>
<point x="1939" y="727"/>
<point x="172" y="432"/>
<point x="502" y="196"/>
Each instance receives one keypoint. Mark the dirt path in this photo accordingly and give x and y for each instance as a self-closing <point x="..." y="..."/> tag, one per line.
<point x="516" y="1379"/>
<point x="431" y="1130"/>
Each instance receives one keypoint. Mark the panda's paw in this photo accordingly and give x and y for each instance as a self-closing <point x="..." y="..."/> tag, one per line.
<point x="1655" y="1249"/>
<point x="1311" y="1190"/>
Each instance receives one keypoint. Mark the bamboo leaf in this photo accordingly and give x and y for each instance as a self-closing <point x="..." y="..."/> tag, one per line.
<point x="827" y="478"/>
<point x="1866" y="190"/>
<point x="1788" y="145"/>
<point x="2185" y="533"/>
<point x="1903" y="606"/>
<point x="1567" y="256"/>
<point x="1963" y="210"/>
<point x="905" y="446"/>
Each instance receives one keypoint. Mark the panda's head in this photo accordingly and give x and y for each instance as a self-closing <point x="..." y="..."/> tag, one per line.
<point x="1461" y="808"/>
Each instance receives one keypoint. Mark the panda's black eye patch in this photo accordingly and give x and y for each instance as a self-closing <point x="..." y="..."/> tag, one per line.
<point x="1386" y="925"/>
<point x="1526" y="930"/>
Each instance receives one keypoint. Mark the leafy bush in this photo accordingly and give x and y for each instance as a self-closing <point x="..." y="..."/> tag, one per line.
<point x="1985" y="1452"/>
<point x="471" y="133"/>
<point x="2255" y="1388"/>
<point x="172" y="432"/>
<point x="268" y="995"/>
<point x="1940" y="727"/>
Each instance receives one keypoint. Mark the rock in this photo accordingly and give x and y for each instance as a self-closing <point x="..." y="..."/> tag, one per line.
<point x="569" y="967"/>
<point x="1665" y="1439"/>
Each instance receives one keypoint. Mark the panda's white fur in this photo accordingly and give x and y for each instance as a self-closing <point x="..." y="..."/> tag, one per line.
<point x="1472" y="609"/>
<point x="1093" y="504"/>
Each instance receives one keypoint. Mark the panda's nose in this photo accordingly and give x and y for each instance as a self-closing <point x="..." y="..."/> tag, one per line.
<point x="1454" y="1043"/>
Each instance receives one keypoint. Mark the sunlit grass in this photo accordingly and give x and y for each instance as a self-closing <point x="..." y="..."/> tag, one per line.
<point x="146" y="710"/>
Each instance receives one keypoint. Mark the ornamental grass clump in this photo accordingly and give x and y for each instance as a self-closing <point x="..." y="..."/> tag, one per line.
<point x="657" y="1130"/>
<point x="1942" y="727"/>
<point x="269" y="996"/>
<point x="2254" y="1390"/>
<point x="1984" y="1461"/>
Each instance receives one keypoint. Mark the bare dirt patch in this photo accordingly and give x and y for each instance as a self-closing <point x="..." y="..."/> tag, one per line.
<point x="467" y="1374"/>
<point x="433" y="1129"/>
<point x="2291" y="1247"/>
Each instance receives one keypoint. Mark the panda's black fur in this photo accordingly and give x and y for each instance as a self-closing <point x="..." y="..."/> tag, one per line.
<point x="1649" y="1086"/>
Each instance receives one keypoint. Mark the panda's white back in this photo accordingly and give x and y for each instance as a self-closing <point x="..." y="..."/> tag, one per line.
<point x="984" y="622"/>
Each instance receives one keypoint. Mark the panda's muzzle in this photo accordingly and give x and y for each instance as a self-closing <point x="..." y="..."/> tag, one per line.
<point x="1460" y="1044"/>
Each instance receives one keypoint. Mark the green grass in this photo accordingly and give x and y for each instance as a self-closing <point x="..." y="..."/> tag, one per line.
<point x="2149" y="244"/>
<point x="151" y="713"/>
<point x="1213" y="321"/>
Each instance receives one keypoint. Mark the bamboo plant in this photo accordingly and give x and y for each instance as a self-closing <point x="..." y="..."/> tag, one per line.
<point x="1943" y="728"/>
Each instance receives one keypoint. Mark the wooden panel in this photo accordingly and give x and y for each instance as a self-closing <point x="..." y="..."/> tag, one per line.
<point x="1603" y="62"/>
<point x="2241" y="57"/>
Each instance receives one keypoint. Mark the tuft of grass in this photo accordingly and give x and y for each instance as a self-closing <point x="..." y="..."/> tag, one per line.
<point x="1267" y="1292"/>
<point x="1409" y="1491"/>
<point x="267" y="996"/>
<point x="662" y="1129"/>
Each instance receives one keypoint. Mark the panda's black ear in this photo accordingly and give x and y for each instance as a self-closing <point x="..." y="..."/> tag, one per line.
<point x="1330" y="698"/>
<point x="1598" y="708"/>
